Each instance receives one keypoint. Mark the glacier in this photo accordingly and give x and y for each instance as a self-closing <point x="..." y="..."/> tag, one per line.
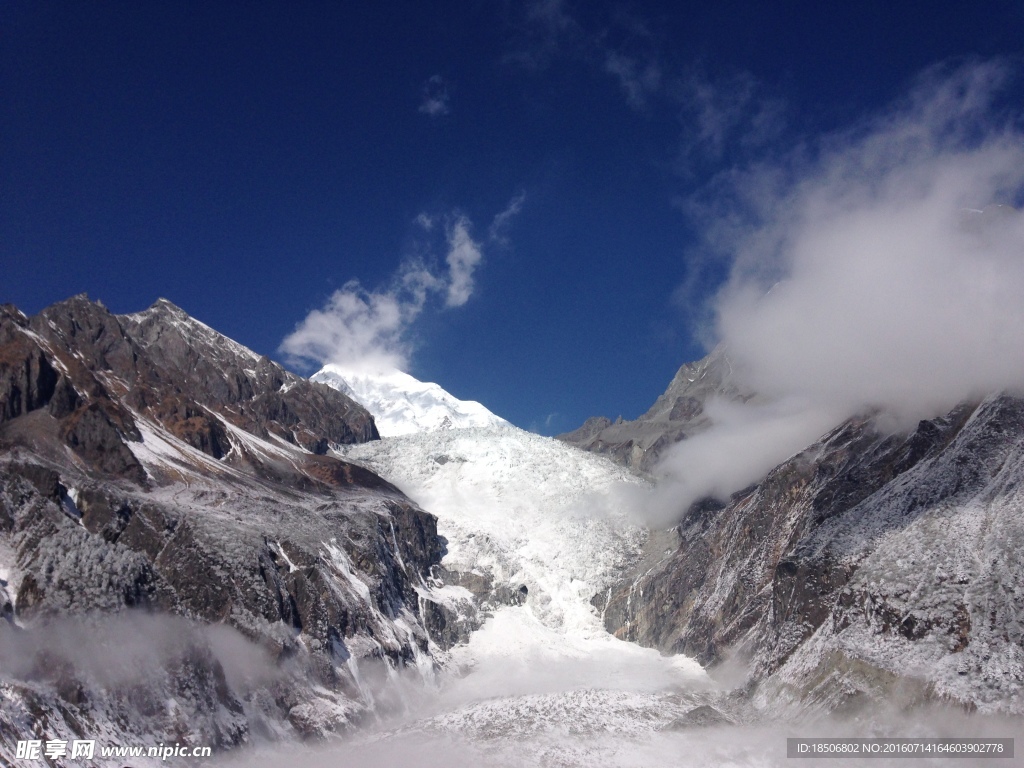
<point x="543" y="682"/>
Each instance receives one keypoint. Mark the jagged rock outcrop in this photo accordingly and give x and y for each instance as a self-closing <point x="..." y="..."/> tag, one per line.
<point x="677" y="414"/>
<point x="868" y="565"/>
<point x="86" y="375"/>
<point x="157" y="476"/>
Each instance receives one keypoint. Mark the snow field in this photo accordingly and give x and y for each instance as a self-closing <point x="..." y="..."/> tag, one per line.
<point x="533" y="511"/>
<point x="402" y="405"/>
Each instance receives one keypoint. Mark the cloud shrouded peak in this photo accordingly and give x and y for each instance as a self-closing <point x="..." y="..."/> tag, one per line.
<point x="884" y="275"/>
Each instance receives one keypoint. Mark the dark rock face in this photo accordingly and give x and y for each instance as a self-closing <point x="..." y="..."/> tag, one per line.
<point x="451" y="621"/>
<point x="252" y="392"/>
<point x="865" y="561"/>
<point x="93" y="373"/>
<point x="150" y="467"/>
<point x="677" y="414"/>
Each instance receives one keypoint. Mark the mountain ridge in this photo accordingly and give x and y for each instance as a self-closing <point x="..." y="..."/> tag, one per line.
<point x="158" y="481"/>
<point x="677" y="413"/>
<point x="156" y="475"/>
<point x="786" y="579"/>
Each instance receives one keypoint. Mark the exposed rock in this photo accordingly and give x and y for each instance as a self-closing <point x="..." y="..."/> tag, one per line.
<point x="151" y="465"/>
<point x="677" y="414"/>
<point x="96" y="373"/>
<point x="451" y="615"/>
<point x="867" y="562"/>
<point x="91" y="433"/>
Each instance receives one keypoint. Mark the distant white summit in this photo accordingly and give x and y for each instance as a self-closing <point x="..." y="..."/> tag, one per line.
<point x="403" y="405"/>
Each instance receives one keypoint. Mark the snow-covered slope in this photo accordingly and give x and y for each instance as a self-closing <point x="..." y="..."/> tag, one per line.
<point x="149" y="463"/>
<point x="529" y="511"/>
<point x="402" y="405"/>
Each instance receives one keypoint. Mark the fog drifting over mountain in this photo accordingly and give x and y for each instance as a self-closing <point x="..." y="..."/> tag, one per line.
<point x="884" y="274"/>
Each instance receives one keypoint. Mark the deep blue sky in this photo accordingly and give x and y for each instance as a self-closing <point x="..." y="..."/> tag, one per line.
<point x="247" y="159"/>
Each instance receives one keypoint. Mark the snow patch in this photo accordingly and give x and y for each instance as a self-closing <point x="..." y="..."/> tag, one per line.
<point x="340" y="560"/>
<point x="8" y="571"/>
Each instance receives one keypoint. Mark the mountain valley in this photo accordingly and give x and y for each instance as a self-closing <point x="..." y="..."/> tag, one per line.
<point x="198" y="546"/>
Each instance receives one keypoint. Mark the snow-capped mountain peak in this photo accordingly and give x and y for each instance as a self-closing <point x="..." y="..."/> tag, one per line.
<point x="402" y="404"/>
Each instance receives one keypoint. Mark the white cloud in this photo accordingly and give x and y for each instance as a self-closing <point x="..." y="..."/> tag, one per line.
<point x="499" y="226"/>
<point x="365" y="329"/>
<point x="887" y="273"/>
<point x="463" y="258"/>
<point x="435" y="99"/>
<point x="638" y="81"/>
<point x="873" y="283"/>
<point x="356" y="328"/>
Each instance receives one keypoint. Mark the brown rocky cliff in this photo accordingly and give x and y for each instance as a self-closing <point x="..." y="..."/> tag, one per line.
<point x="88" y="371"/>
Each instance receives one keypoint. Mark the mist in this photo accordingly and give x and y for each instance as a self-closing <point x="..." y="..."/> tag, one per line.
<point x="743" y="444"/>
<point x="878" y="270"/>
<point x="133" y="648"/>
<point x="473" y="740"/>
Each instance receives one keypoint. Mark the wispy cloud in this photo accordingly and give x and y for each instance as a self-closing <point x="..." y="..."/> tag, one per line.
<point x="620" y="44"/>
<point x="363" y="329"/>
<point x="880" y="270"/>
<point x="716" y="114"/>
<point x="498" y="231"/>
<point x="434" y="97"/>
<point x="463" y="258"/>
<point x="544" y="30"/>
<point x="638" y="80"/>
<point x="728" y="112"/>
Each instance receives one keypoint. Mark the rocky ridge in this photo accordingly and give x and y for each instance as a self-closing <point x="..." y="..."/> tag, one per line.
<point x="870" y="567"/>
<point x="156" y="478"/>
<point x="678" y="413"/>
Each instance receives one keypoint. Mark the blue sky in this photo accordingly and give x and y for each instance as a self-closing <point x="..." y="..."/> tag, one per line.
<point x="248" y="160"/>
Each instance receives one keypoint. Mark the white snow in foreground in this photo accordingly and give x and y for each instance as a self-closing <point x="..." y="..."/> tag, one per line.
<point x="402" y="405"/>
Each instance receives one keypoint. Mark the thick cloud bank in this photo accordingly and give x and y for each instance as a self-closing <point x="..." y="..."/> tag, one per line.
<point x="887" y="274"/>
<point x="893" y="274"/>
